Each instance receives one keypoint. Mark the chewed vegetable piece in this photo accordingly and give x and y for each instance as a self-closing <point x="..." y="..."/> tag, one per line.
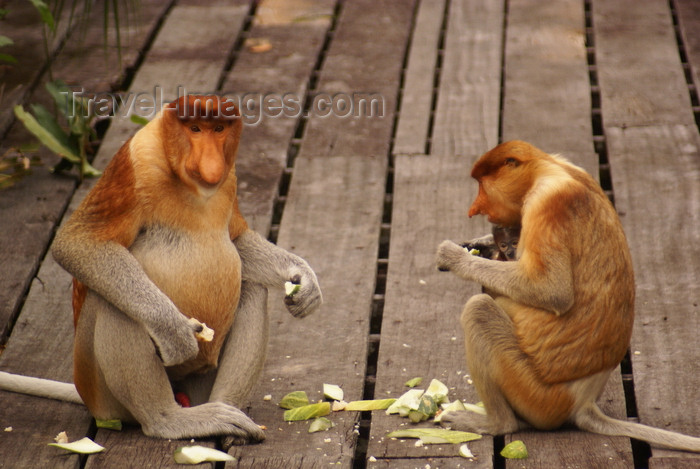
<point x="473" y="252"/>
<point x="426" y="409"/>
<point x="307" y="412"/>
<point x="198" y="454"/>
<point x="320" y="424"/>
<point x="373" y="404"/>
<point x="464" y="451"/>
<point x="83" y="446"/>
<point x="291" y="288"/>
<point x="412" y="383"/>
<point x="438" y="391"/>
<point x="451" y="407"/>
<point x="112" y="424"/>
<point x="410" y="400"/>
<point x="514" y="450"/>
<point x="206" y="334"/>
<point x="435" y="435"/>
<point x="338" y="406"/>
<point x="332" y="392"/>
<point x="294" y="399"/>
<point x="61" y="438"/>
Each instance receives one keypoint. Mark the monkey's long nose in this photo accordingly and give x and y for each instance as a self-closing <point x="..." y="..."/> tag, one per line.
<point x="211" y="169"/>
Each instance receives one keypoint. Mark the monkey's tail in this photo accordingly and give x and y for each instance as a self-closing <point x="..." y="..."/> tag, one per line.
<point x="592" y="419"/>
<point x="39" y="387"/>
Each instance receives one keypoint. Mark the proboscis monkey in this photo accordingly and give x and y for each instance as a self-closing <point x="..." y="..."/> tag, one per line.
<point x="541" y="347"/>
<point x="159" y="240"/>
<point x="500" y="245"/>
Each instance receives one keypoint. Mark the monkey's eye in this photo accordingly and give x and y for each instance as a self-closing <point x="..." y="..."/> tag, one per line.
<point x="515" y="244"/>
<point x="504" y="245"/>
<point x="512" y="162"/>
<point x="219" y="128"/>
<point x="195" y="128"/>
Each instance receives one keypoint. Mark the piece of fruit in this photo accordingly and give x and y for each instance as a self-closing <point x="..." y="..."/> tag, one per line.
<point x="514" y="450"/>
<point x="83" y="446"/>
<point x="198" y="454"/>
<point x="332" y="392"/>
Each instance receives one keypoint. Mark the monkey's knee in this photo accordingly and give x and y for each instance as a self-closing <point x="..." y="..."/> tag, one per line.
<point x="483" y="313"/>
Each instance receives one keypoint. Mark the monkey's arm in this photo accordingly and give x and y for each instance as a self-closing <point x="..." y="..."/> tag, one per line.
<point x="551" y="289"/>
<point x="486" y="245"/>
<point x="269" y="265"/>
<point x="109" y="269"/>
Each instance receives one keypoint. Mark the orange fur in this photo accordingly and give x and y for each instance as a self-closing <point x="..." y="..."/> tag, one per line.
<point x="565" y="216"/>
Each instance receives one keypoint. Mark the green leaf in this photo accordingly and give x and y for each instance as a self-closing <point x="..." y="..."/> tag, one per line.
<point x="435" y="435"/>
<point x="45" y="12"/>
<point x="514" y="450"/>
<point x="62" y="96"/>
<point x="412" y="383"/>
<point x="320" y="424"/>
<point x="111" y="424"/>
<point x="45" y="136"/>
<point x="294" y="399"/>
<point x="5" y="41"/>
<point x="8" y="58"/>
<point x="307" y="412"/>
<point x="373" y="404"/>
<point x="136" y="119"/>
<point x="48" y="122"/>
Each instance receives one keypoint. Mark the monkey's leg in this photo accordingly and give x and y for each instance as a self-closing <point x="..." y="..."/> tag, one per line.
<point x="244" y="353"/>
<point x="488" y="335"/>
<point x="136" y="377"/>
<point x="503" y="376"/>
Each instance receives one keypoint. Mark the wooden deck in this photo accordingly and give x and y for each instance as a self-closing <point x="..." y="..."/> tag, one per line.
<point x="612" y="84"/>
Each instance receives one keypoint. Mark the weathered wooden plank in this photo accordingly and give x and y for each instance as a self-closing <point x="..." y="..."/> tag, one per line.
<point x="656" y="174"/>
<point x="467" y="111"/>
<point x="547" y="98"/>
<point x="688" y="12"/>
<point x="639" y="71"/>
<point x="284" y="70"/>
<point x="332" y="218"/>
<point x="421" y="334"/>
<point x="545" y="49"/>
<point x="355" y="72"/>
<point x="29" y="424"/>
<point x="413" y="125"/>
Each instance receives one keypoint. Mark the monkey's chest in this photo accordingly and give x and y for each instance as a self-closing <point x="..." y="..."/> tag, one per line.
<point x="201" y="274"/>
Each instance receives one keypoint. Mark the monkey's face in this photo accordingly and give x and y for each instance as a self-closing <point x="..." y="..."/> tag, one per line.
<point x="201" y="138"/>
<point x="505" y="175"/>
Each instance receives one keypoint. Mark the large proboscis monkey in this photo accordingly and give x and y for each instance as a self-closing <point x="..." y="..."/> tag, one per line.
<point x="158" y="240"/>
<point x="540" y="348"/>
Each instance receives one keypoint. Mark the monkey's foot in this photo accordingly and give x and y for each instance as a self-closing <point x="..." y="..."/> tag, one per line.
<point x="467" y="421"/>
<point x="210" y="419"/>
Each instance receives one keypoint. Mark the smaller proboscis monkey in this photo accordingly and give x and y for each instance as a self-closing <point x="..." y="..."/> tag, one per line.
<point x="160" y="240"/>
<point x="556" y="322"/>
<point x="500" y="245"/>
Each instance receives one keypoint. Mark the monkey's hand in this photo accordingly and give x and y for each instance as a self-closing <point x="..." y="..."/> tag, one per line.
<point x="307" y="298"/>
<point x="175" y="340"/>
<point x="271" y="266"/>
<point x="450" y="255"/>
